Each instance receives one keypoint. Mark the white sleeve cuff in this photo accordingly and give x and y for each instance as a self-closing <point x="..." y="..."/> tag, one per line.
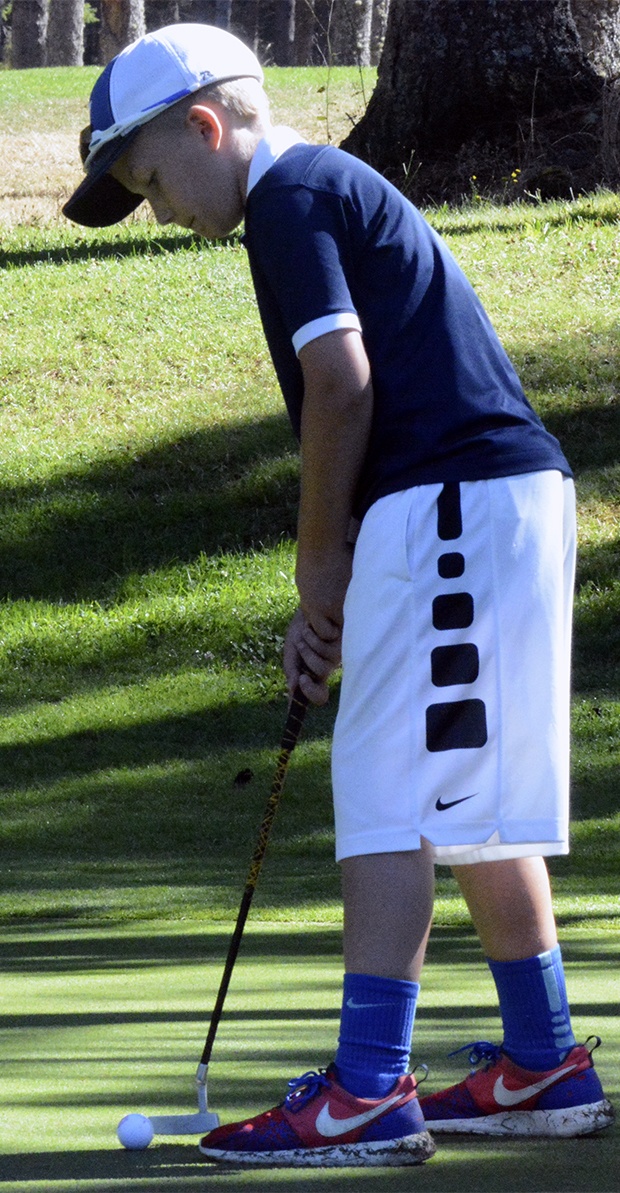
<point x="320" y="327"/>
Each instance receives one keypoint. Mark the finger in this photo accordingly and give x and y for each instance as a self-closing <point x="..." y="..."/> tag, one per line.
<point x="326" y="647"/>
<point x="292" y="663"/>
<point x="330" y="654"/>
<point x="316" y="691"/>
<point x="324" y="628"/>
<point x="292" y="673"/>
<point x="315" y="663"/>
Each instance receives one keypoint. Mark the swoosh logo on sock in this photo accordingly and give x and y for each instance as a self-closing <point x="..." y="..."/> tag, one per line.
<point x="360" y="1006"/>
<point x="443" y="807"/>
<point x="512" y="1097"/>
<point x="331" y="1128"/>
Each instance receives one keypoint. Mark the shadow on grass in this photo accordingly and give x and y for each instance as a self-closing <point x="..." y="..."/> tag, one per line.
<point x="165" y="788"/>
<point x="83" y="951"/>
<point x="523" y="215"/>
<point x="478" y="1166"/>
<point x="220" y="735"/>
<point x="129" y="243"/>
<point x="428" y="1017"/>
<point x="589" y="434"/>
<point x="78" y="536"/>
<point x="225" y="489"/>
<point x="160" y="1162"/>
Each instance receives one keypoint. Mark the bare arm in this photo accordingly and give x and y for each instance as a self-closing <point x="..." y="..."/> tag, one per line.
<point x="335" y="428"/>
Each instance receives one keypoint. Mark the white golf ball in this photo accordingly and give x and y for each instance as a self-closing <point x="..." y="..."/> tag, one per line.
<point x="135" y="1131"/>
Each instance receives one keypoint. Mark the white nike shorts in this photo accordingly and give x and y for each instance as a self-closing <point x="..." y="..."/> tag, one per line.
<point x="453" y="723"/>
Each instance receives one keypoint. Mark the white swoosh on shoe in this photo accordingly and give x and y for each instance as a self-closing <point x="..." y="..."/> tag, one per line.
<point x="512" y="1097"/>
<point x="330" y="1127"/>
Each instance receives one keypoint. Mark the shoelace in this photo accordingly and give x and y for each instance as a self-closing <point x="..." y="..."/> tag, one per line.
<point x="303" y="1089"/>
<point x="481" y="1051"/>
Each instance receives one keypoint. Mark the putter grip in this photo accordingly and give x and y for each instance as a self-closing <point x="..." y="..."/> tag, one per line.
<point x="294" y="720"/>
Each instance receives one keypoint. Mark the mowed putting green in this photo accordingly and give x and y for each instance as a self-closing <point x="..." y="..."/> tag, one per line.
<point x="100" y="1022"/>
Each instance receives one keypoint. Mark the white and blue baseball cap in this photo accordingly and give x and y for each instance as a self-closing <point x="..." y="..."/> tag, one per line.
<point x="148" y="76"/>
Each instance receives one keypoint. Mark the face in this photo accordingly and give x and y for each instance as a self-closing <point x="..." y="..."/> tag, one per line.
<point x="191" y="176"/>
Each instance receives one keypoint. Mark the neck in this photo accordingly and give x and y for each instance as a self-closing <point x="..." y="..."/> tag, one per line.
<point x="246" y="141"/>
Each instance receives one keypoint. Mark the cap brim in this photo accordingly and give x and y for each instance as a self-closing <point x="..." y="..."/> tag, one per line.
<point x="100" y="200"/>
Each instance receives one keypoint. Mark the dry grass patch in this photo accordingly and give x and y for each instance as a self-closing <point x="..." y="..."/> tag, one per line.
<point x="40" y="172"/>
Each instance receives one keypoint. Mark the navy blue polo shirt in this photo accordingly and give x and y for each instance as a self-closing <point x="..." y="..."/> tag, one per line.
<point x="332" y="244"/>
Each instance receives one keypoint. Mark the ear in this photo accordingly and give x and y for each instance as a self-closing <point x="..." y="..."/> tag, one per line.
<point x="205" y="120"/>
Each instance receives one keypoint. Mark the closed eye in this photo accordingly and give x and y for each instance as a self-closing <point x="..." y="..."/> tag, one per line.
<point x="142" y="185"/>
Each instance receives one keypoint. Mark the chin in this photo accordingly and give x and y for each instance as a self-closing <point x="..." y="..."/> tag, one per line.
<point x="227" y="226"/>
<point x="212" y="231"/>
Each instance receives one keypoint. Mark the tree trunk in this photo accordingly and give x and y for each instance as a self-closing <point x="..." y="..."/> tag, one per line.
<point x="283" y="32"/>
<point x="65" y="33"/>
<point x="4" y="40"/>
<point x="380" y="16"/>
<point x="200" y="11"/>
<point x="122" y="21"/>
<point x="159" y="13"/>
<point x="223" y="12"/>
<point x="322" y="13"/>
<point x="350" y="27"/>
<point x="496" y="96"/>
<point x="29" y="29"/>
<point x="244" y="19"/>
<point x="305" y="22"/>
<point x="598" y="25"/>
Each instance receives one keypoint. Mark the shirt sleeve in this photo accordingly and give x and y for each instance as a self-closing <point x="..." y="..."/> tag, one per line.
<point x="301" y="243"/>
<point x="320" y="327"/>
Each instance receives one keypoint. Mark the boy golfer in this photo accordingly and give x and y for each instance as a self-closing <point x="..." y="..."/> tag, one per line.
<point x="452" y="613"/>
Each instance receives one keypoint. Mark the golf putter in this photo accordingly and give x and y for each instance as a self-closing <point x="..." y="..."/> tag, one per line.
<point x="205" y="1120"/>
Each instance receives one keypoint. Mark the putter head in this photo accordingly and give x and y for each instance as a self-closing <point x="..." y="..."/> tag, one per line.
<point x="189" y="1124"/>
<point x="184" y="1124"/>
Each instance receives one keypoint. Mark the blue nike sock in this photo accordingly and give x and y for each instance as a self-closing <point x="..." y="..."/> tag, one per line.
<point x="534" y="1009"/>
<point x="375" y="1033"/>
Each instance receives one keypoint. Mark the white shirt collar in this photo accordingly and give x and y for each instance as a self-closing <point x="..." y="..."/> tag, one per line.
<point x="269" y="149"/>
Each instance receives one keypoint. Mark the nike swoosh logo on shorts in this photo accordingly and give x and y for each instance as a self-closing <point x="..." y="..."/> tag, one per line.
<point x="331" y="1128"/>
<point x="443" y="807"/>
<point x="512" y="1097"/>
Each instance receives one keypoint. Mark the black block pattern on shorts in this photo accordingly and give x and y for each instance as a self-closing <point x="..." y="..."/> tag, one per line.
<point x="456" y="725"/>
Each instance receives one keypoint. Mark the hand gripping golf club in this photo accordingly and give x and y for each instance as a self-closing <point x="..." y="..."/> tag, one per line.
<point x="205" y="1120"/>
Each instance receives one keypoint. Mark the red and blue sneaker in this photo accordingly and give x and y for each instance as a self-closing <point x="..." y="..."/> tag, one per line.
<point x="503" y="1099"/>
<point x="319" y="1124"/>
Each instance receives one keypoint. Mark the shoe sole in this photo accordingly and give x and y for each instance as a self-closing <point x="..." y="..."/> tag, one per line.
<point x="386" y="1153"/>
<point x="564" y="1123"/>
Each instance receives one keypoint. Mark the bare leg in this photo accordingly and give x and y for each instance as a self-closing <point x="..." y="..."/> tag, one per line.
<point x="388" y="908"/>
<point x="510" y="905"/>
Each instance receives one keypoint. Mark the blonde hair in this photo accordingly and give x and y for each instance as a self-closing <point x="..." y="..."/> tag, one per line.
<point x="243" y="98"/>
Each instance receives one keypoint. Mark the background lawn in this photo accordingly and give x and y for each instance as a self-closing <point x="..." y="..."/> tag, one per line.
<point x="148" y="486"/>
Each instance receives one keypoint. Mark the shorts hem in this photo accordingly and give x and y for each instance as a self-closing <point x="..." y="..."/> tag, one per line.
<point x="464" y="852"/>
<point x="462" y="855"/>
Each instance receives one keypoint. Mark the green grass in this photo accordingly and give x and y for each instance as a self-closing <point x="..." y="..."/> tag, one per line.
<point x="106" y="1020"/>
<point x="148" y="486"/>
